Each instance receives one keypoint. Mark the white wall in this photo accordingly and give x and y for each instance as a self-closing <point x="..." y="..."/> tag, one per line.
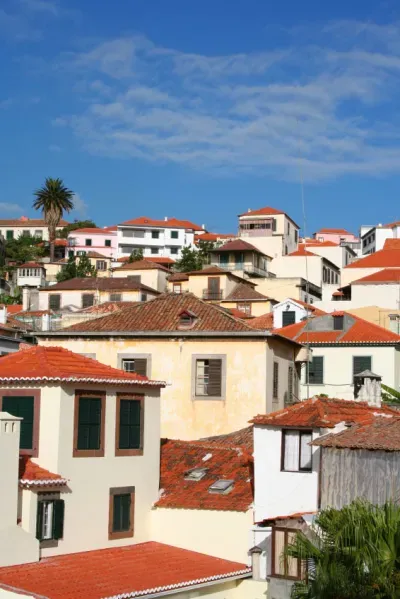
<point x="279" y="309"/>
<point x="74" y="297"/>
<point x="296" y="266"/>
<point x="128" y="241"/>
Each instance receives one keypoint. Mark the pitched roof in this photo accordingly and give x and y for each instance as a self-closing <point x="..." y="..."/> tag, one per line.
<point x="32" y="265"/>
<point x="381" y="434"/>
<point x="244" y="292"/>
<point x="301" y="251"/>
<point x="221" y="461"/>
<point x="264" y="322"/>
<point x="396" y="223"/>
<point x="32" y="475"/>
<point x="319" y="244"/>
<point x="385" y="258"/>
<point x="170" y="223"/>
<point x="239" y="314"/>
<point x="131" y="571"/>
<point x="337" y="231"/>
<point x="12" y="308"/>
<point x="178" y="276"/>
<point x="213" y="236"/>
<point x="141" y="265"/>
<point x="392" y="244"/>
<point x="267" y="211"/>
<point x="361" y="331"/>
<point x="28" y="222"/>
<point x="242" y="438"/>
<point x="386" y="275"/>
<point x="237" y="245"/>
<point x="156" y="259"/>
<point x="100" y="284"/>
<point x="93" y="231"/>
<point x="56" y="364"/>
<point x="106" y="307"/>
<point x="163" y="314"/>
<point x="323" y="412"/>
<point x="93" y="254"/>
<point x="316" y="311"/>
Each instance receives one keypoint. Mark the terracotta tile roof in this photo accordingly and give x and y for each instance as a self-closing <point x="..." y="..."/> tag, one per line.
<point x="392" y="244"/>
<point x="28" y="222"/>
<point x="242" y="438"/>
<point x="237" y="245"/>
<point x="13" y="308"/>
<point x="361" y="331"/>
<point x="334" y="231"/>
<point x="244" y="292"/>
<point x="163" y="314"/>
<point x="221" y="461"/>
<point x="302" y="252"/>
<point x="31" y="265"/>
<point x="107" y="307"/>
<point x="32" y="475"/>
<point x="92" y="230"/>
<point x="178" y="276"/>
<point x="319" y="244"/>
<point x="385" y="258"/>
<point x="171" y="223"/>
<point x="33" y="313"/>
<point x="267" y="211"/>
<point x="92" y="254"/>
<point x="386" y="275"/>
<point x="382" y="433"/>
<point x="213" y="236"/>
<point x="131" y="571"/>
<point x="56" y="364"/>
<point x="100" y="284"/>
<point x="396" y="223"/>
<point x="316" y="311"/>
<point x="110" y="229"/>
<point x="160" y="260"/>
<point x="323" y="412"/>
<point x="142" y="265"/>
<point x="264" y="322"/>
<point x="239" y="314"/>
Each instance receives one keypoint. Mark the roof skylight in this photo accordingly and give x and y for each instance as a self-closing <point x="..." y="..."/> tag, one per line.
<point x="221" y="486"/>
<point x="195" y="474"/>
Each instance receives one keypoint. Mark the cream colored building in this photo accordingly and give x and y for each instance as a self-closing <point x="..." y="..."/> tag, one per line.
<point x="12" y="228"/>
<point x="149" y="273"/>
<point x="219" y="370"/>
<point x="272" y="231"/>
<point x="304" y="263"/>
<point x="295" y="287"/>
<point x="241" y="258"/>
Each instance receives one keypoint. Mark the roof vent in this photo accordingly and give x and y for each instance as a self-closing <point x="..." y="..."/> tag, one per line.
<point x="195" y="474"/>
<point x="221" y="486"/>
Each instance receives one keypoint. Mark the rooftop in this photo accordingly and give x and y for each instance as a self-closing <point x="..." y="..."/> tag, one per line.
<point x="381" y="434"/>
<point x="32" y="475"/>
<point x="32" y="265"/>
<point x="242" y="438"/>
<point x="135" y="570"/>
<point x="323" y="412"/>
<point x="267" y="211"/>
<point x="24" y="221"/>
<point x="334" y="231"/>
<point x="244" y="292"/>
<point x="264" y="322"/>
<point x="237" y="245"/>
<point x="384" y="258"/>
<point x="12" y="308"/>
<point x="141" y="265"/>
<point x="99" y="284"/>
<point x="213" y="236"/>
<point x="170" y="223"/>
<point x="178" y="276"/>
<point x="219" y="460"/>
<point x="106" y="308"/>
<point x="301" y="251"/>
<point x="58" y="365"/>
<point x="93" y="231"/>
<point x="386" y="275"/>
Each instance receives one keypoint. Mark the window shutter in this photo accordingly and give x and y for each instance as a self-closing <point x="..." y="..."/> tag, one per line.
<point x="89" y="423"/>
<point x="361" y="363"/>
<point x="288" y="317"/>
<point x="316" y="371"/>
<point x="22" y="407"/>
<point x="121" y="515"/>
<point x="214" y="378"/>
<point x="58" y="518"/>
<point x="116" y="512"/>
<point x="140" y="366"/>
<point x="54" y="302"/>
<point x="275" y="382"/>
<point x="39" y="520"/>
<point x="130" y="424"/>
<point x="87" y="300"/>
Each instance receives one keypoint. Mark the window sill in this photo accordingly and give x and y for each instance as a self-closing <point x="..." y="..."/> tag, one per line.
<point x="207" y="398"/>
<point x="88" y="453"/>
<point x="128" y="452"/>
<point x="123" y="534"/>
<point x="297" y="471"/>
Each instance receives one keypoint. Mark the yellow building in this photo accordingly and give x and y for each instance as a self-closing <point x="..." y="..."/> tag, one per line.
<point x="384" y="317"/>
<point x="219" y="370"/>
<point x="150" y="273"/>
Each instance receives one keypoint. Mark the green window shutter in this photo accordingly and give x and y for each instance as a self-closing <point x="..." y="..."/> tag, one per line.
<point x="54" y="302"/>
<point x="288" y="317"/>
<point x="275" y="381"/>
<point x="121" y="512"/>
<point x="89" y="423"/>
<point x="361" y="363"/>
<point x="316" y="371"/>
<point x="214" y="378"/>
<point x="58" y="518"/>
<point x="23" y="407"/>
<point x="140" y="366"/>
<point x="39" y="520"/>
<point x="130" y="424"/>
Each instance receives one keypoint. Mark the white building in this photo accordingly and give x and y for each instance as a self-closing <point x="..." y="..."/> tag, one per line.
<point x="388" y="257"/>
<point x="35" y="227"/>
<point x="373" y="238"/>
<point x="156" y="237"/>
<point x="31" y="274"/>
<point x="339" y="255"/>
<point x="272" y="231"/>
<point x="317" y="269"/>
<point x="291" y="311"/>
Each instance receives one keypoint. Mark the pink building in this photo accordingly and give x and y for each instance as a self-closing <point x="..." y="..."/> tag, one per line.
<point x="103" y="241"/>
<point x="337" y="236"/>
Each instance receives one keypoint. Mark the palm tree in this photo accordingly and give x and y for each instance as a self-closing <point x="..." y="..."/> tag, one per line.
<point x="352" y="553"/>
<point x="53" y="199"/>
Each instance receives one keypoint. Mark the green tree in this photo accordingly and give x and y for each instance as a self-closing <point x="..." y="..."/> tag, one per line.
<point x="24" y="249"/>
<point x="77" y="224"/>
<point x="136" y="255"/>
<point x="204" y="248"/>
<point x="190" y="260"/>
<point x="74" y="269"/>
<point x="53" y="199"/>
<point x="352" y="553"/>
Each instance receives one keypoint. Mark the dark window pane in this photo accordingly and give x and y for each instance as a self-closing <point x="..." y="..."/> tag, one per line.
<point x="89" y="423"/>
<point x="121" y="512"/>
<point x="288" y="317"/>
<point x="22" y="407"/>
<point x="130" y="424"/>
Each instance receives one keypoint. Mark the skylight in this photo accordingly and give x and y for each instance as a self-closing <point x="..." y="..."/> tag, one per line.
<point x="195" y="474"/>
<point x="221" y="486"/>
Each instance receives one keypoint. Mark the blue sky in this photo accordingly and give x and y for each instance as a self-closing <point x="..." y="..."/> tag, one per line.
<point x="201" y="110"/>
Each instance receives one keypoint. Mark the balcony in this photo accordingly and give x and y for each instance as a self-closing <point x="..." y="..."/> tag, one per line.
<point x="248" y="268"/>
<point x="210" y="294"/>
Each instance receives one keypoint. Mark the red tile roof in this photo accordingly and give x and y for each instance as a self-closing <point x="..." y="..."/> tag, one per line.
<point x="264" y="322"/>
<point x="100" y="284"/>
<point x="302" y="252"/>
<point x="171" y="223"/>
<point x="316" y="311"/>
<point x="13" y="308"/>
<point x="244" y="292"/>
<point x="24" y="221"/>
<point x="93" y="254"/>
<point x="382" y="433"/>
<point x="334" y="231"/>
<point x="141" y="265"/>
<point x="56" y="364"/>
<point x="237" y="245"/>
<point x="267" y="211"/>
<point x="31" y="265"/>
<point x="242" y="438"/>
<point x="323" y="412"/>
<point x="386" y="275"/>
<point x="392" y="244"/>
<point x="385" y="258"/>
<point x="213" y="236"/>
<point x="178" y="276"/>
<point x="107" y="307"/>
<point x="32" y="475"/>
<point x="396" y="223"/>
<point x="92" y="231"/>
<point x="132" y="571"/>
<point x="163" y="314"/>
<point x="239" y="314"/>
<point x="221" y="461"/>
<point x="319" y="244"/>
<point x="361" y="331"/>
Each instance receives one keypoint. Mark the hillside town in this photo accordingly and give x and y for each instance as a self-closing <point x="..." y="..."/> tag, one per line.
<point x="179" y="406"/>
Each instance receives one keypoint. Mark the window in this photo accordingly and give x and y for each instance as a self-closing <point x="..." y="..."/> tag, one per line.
<point x="288" y="317"/>
<point x="39" y="233"/>
<point x="50" y="519"/>
<point x="9" y="235"/>
<point x="209" y="377"/>
<point x="136" y="278"/>
<point x="275" y="383"/>
<point x="115" y="297"/>
<point x="177" y="288"/>
<point x="221" y="486"/>
<point x="284" y="566"/>
<point x="138" y="365"/>
<point x="122" y="512"/>
<point x="274" y="225"/>
<point x="174" y="250"/>
<point x="288" y="228"/>
<point x="296" y="235"/>
<point x="89" y="424"/>
<point x="361" y="363"/>
<point x="143" y="297"/>
<point x="315" y="370"/>
<point x="195" y="474"/>
<point x="338" y="323"/>
<point x="244" y="307"/>
<point x="174" y="234"/>
<point x="290" y="385"/>
<point x="154" y="250"/>
<point x="296" y="451"/>
<point x="88" y="242"/>
<point x="81" y="253"/>
<point x="129" y="425"/>
<point x="155" y="234"/>
<point x="107" y="243"/>
<point x="25" y="406"/>
<point x="26" y="233"/>
<point x="101" y="265"/>
<point x="54" y="301"/>
<point x="87" y="300"/>
<point x="70" y="253"/>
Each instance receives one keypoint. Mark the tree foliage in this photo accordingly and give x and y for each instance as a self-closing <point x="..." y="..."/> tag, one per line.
<point x="53" y="199"/>
<point x="24" y="249"/>
<point x="352" y="553"/>
<point x="136" y="255"/>
<point x="74" y="268"/>
<point x="390" y="395"/>
<point x="195" y="258"/>
<point x="77" y="224"/>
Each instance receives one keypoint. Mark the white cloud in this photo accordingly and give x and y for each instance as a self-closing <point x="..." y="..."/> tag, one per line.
<point x="80" y="206"/>
<point x="11" y="208"/>
<point x="46" y="6"/>
<point x="332" y="104"/>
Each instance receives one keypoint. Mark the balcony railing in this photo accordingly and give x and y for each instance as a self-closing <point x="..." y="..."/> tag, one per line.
<point x="210" y="294"/>
<point x="248" y="268"/>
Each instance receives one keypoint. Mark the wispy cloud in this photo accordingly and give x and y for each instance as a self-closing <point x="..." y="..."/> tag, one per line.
<point x="11" y="208"/>
<point x="331" y="104"/>
<point x="44" y="6"/>
<point x="80" y="206"/>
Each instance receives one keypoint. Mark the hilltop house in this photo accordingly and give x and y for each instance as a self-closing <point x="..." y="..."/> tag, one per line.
<point x="272" y="231"/>
<point x="92" y="239"/>
<point x="12" y="228"/>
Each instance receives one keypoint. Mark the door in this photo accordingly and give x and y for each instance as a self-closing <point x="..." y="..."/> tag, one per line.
<point x="214" y="288"/>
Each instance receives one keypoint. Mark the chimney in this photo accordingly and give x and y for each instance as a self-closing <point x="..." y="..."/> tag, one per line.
<point x="255" y="553"/>
<point x="166" y="218"/>
<point x="9" y="464"/>
<point x="367" y="388"/>
<point x="248" y="209"/>
<point x="46" y="322"/>
<point x="3" y="315"/>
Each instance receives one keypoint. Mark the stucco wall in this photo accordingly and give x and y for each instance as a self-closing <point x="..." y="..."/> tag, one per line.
<point x="295" y="266"/>
<point x="220" y="533"/>
<point x="154" y="278"/>
<point x="280" y="289"/>
<point x="353" y="274"/>
<point x="257" y="308"/>
<point x="74" y="297"/>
